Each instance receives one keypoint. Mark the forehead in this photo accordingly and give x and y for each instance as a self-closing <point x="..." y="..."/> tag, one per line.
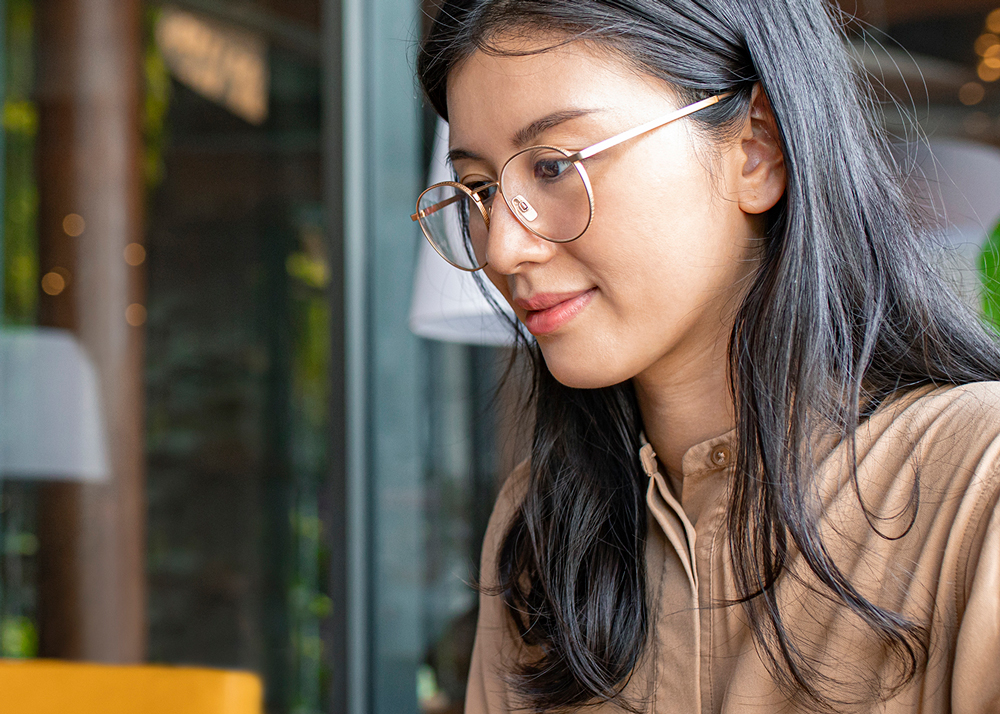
<point x="491" y="96"/>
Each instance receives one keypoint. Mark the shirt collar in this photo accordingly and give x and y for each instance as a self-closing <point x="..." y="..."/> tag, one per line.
<point x="713" y="454"/>
<point x="706" y="470"/>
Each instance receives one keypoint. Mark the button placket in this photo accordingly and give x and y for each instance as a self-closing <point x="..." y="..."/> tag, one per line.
<point x="683" y="541"/>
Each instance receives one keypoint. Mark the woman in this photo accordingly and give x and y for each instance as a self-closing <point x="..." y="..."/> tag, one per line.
<point x="764" y="474"/>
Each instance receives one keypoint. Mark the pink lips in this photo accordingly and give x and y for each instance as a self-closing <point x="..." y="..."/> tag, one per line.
<point x="547" y="312"/>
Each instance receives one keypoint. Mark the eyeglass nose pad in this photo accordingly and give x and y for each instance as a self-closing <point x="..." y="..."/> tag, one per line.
<point x="523" y="208"/>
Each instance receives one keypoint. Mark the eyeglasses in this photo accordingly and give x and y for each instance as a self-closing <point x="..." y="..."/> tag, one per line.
<point x="547" y="190"/>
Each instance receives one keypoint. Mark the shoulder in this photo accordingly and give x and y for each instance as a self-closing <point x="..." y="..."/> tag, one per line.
<point x="957" y="425"/>
<point x="954" y="404"/>
<point x="976" y="402"/>
<point x="943" y="441"/>
<point x="512" y="492"/>
<point x="508" y="501"/>
<point x="946" y="441"/>
<point x="497" y="643"/>
<point x="928" y="475"/>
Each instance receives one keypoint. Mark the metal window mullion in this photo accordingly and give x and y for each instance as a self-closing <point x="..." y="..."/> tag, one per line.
<point x="357" y="341"/>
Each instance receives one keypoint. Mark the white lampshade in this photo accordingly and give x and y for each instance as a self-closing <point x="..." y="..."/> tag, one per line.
<point x="962" y="179"/>
<point x="447" y="303"/>
<point x="51" y="424"/>
<point x="961" y="182"/>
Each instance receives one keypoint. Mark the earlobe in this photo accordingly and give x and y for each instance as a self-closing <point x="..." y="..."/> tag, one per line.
<point x="762" y="177"/>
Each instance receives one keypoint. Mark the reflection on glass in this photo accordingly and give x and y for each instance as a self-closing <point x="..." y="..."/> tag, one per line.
<point x="225" y="64"/>
<point x="49" y="382"/>
<point x="20" y="282"/>
<point x="237" y="363"/>
<point x="308" y="603"/>
<point x="461" y="476"/>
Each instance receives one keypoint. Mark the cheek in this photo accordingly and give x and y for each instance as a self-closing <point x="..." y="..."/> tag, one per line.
<point x="500" y="283"/>
<point x="667" y="239"/>
<point x="655" y="206"/>
<point x="669" y="264"/>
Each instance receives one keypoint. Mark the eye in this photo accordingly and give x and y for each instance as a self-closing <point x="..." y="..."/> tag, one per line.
<point x="550" y="168"/>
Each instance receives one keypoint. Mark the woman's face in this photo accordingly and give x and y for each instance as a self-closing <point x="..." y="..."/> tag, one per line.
<point x="654" y="282"/>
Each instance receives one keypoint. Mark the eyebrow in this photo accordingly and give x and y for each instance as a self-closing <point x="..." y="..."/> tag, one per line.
<point x="526" y="135"/>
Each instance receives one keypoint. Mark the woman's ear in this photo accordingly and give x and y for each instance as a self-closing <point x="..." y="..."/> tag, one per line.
<point x="761" y="177"/>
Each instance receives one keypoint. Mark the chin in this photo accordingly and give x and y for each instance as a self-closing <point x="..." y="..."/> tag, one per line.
<point x="592" y="373"/>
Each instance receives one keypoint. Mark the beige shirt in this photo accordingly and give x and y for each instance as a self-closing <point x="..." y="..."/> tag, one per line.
<point x="943" y="573"/>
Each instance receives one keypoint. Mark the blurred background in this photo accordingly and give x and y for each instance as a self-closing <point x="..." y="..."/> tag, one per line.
<point x="245" y="420"/>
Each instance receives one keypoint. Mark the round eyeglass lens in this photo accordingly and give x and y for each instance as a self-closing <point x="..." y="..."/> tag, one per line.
<point x="547" y="193"/>
<point x="454" y="225"/>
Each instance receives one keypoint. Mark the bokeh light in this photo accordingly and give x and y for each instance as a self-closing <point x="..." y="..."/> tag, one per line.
<point x="971" y="93"/>
<point x="985" y="42"/>
<point x="135" y="314"/>
<point x="135" y="254"/>
<point x="993" y="21"/>
<point x="988" y="74"/>
<point x="977" y="124"/>
<point x="53" y="283"/>
<point x="74" y="225"/>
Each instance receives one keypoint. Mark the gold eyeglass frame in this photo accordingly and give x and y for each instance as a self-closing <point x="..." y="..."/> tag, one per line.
<point x="576" y="158"/>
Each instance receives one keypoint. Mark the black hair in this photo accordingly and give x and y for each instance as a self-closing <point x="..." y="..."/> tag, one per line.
<point x="843" y="313"/>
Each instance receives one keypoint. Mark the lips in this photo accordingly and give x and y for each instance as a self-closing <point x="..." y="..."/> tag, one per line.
<point x="547" y="312"/>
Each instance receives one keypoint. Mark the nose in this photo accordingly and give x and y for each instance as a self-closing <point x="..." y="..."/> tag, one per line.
<point x="510" y="246"/>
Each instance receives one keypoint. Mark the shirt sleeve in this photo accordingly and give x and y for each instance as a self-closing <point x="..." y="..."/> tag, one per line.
<point x="496" y="642"/>
<point x="976" y="676"/>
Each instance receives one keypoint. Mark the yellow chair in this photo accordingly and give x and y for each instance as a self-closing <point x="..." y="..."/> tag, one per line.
<point x="54" y="687"/>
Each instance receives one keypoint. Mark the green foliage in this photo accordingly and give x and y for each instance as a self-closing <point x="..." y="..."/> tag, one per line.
<point x="989" y="272"/>
<point x="20" y="210"/>
<point x="20" y="117"/>
<point x="308" y="270"/>
<point x="156" y="102"/>
<point x="18" y="637"/>
<point x="307" y="266"/>
<point x="25" y="544"/>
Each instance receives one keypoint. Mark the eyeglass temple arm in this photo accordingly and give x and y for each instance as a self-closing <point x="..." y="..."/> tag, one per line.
<point x="648" y="126"/>
<point x="445" y="203"/>
<point x="436" y="207"/>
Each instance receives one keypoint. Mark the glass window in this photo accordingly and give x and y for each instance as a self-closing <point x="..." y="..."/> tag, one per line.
<point x="221" y="442"/>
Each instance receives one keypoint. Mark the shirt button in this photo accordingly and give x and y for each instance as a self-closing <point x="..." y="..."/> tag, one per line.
<point x="721" y="456"/>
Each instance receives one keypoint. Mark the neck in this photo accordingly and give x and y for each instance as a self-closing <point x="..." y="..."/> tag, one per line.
<point x="684" y="404"/>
